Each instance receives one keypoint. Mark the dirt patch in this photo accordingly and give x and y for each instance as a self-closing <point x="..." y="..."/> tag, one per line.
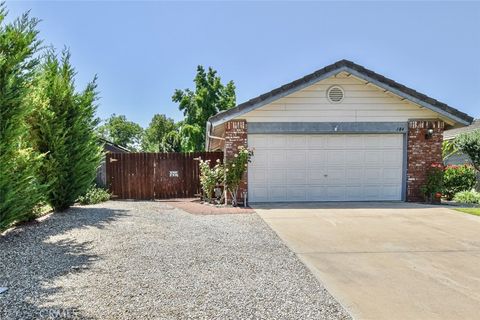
<point x="195" y="206"/>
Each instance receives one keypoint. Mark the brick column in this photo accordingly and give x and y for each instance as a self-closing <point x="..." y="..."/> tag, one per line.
<point x="422" y="151"/>
<point x="236" y="136"/>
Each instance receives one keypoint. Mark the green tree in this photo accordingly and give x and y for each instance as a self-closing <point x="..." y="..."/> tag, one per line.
<point x="158" y="128"/>
<point x="20" y="191"/>
<point x="119" y="130"/>
<point x="171" y="142"/>
<point x="469" y="143"/>
<point x="208" y="98"/>
<point x="63" y="127"/>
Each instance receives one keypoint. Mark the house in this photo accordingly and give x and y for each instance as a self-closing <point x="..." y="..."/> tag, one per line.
<point x="459" y="158"/>
<point x="108" y="147"/>
<point x="342" y="133"/>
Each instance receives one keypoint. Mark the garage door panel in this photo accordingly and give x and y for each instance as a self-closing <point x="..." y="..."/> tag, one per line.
<point x="261" y="193"/>
<point x="373" y="158"/>
<point x="277" y="159"/>
<point x="392" y="141"/>
<point x="316" y="141"/>
<point x="277" y="141"/>
<point x="335" y="157"/>
<point x="316" y="158"/>
<point x="393" y="157"/>
<point x="355" y="157"/>
<point x="336" y="176"/>
<point x="390" y="191"/>
<point x="354" y="193"/>
<point x="354" y="175"/>
<point x="317" y="176"/>
<point x="259" y="158"/>
<point x="258" y="176"/>
<point x="373" y="141"/>
<point x="258" y="141"/>
<point x="277" y="176"/>
<point x="342" y="167"/>
<point x="392" y="175"/>
<point x="297" y="193"/>
<point x="297" y="141"/>
<point x="297" y="159"/>
<point x="278" y="193"/>
<point x="354" y="141"/>
<point x="297" y="176"/>
<point x="336" y="193"/>
<point x="335" y="141"/>
<point x="373" y="175"/>
<point x="317" y="192"/>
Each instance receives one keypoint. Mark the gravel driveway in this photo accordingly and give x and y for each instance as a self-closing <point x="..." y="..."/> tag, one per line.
<point x="146" y="260"/>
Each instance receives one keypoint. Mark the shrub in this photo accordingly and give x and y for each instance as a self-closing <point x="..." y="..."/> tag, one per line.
<point x="94" y="195"/>
<point x="210" y="177"/>
<point x="20" y="191"/>
<point x="434" y="181"/>
<point x="234" y="170"/>
<point x="458" y="178"/>
<point x="471" y="196"/>
<point x="469" y="143"/>
<point x="63" y="127"/>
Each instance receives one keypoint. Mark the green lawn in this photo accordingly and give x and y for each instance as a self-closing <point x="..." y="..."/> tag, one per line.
<point x="474" y="211"/>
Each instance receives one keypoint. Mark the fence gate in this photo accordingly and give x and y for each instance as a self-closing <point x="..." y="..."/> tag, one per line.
<point x="146" y="176"/>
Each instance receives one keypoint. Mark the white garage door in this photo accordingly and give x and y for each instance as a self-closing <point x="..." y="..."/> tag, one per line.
<point x="325" y="167"/>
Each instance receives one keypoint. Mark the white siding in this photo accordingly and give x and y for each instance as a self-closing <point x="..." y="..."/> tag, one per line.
<point x="362" y="103"/>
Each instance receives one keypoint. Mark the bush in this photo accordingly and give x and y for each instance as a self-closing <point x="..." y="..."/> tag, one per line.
<point x="471" y="196"/>
<point x="458" y="178"/>
<point x="469" y="143"/>
<point x="210" y="177"/>
<point x="94" y="195"/>
<point x="63" y="128"/>
<point x="20" y="191"/>
<point x="434" y="183"/>
<point x="234" y="170"/>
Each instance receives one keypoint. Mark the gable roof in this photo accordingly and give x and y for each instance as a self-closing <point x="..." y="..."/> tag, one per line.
<point x="331" y="70"/>
<point x="109" y="146"/>
<point x="452" y="133"/>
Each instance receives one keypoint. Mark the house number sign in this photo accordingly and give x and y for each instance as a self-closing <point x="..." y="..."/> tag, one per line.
<point x="174" y="174"/>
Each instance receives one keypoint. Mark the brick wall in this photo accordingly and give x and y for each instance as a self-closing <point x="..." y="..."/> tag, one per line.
<point x="421" y="153"/>
<point x="236" y="136"/>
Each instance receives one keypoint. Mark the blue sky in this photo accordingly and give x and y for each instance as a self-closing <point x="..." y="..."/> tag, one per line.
<point x="143" y="51"/>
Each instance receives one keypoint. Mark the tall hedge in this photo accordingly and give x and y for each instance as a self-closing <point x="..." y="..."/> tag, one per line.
<point x="20" y="191"/>
<point x="63" y="127"/>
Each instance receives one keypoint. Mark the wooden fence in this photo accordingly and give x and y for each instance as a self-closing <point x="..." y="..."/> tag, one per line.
<point x="147" y="176"/>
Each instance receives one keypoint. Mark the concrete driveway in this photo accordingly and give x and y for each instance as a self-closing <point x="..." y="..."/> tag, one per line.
<point x="387" y="260"/>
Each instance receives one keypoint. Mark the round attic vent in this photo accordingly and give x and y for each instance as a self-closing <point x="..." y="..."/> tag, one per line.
<point x="335" y="94"/>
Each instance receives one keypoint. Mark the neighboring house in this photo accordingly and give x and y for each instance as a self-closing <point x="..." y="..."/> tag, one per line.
<point x="108" y="147"/>
<point x="459" y="158"/>
<point x="342" y="133"/>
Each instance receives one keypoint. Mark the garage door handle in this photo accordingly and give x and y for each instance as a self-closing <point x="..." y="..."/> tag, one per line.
<point x="325" y="175"/>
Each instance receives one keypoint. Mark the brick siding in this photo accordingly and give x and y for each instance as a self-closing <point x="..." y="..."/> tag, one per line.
<point x="421" y="153"/>
<point x="236" y="136"/>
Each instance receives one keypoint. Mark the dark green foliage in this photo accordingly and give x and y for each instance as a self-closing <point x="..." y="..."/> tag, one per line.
<point x="458" y="178"/>
<point x="20" y="191"/>
<point x="469" y="143"/>
<point x="63" y="127"/>
<point x="159" y="127"/>
<point x="94" y="195"/>
<point x="119" y="130"/>
<point x="209" y="98"/>
<point x="171" y="142"/>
